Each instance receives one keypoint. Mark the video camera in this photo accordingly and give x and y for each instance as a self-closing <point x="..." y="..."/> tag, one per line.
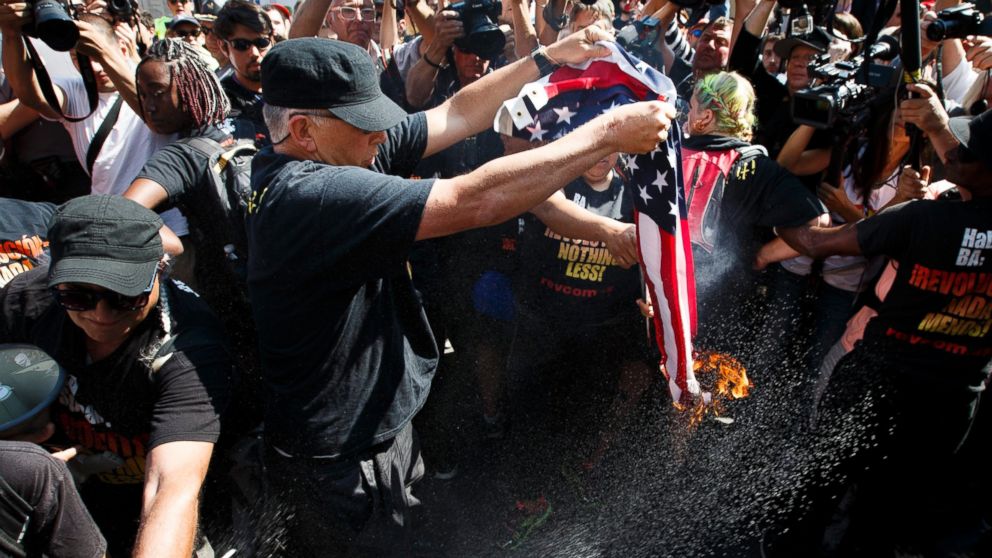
<point x="482" y="36"/>
<point x="959" y="22"/>
<point x="848" y="87"/>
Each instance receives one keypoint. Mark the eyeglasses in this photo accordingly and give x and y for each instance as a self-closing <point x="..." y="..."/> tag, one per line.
<point x="313" y="114"/>
<point x="242" y="45"/>
<point x="349" y="14"/>
<point x="190" y="33"/>
<point x="76" y="299"/>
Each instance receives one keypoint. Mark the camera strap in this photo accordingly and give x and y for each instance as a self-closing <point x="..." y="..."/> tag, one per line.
<point x="48" y="90"/>
<point x="101" y="134"/>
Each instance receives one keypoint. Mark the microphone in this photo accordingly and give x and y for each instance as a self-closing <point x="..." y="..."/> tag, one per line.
<point x="885" y="48"/>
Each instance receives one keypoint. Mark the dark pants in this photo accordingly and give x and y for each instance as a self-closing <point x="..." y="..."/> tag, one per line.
<point x="884" y="439"/>
<point x="353" y="507"/>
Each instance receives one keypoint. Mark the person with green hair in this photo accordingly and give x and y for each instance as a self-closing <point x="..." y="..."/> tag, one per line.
<point x="736" y="195"/>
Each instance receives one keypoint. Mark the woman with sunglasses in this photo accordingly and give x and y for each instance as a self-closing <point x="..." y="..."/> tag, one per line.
<point x="148" y="372"/>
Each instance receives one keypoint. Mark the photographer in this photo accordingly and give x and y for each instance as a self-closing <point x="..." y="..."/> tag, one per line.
<point x="127" y="142"/>
<point x="775" y="123"/>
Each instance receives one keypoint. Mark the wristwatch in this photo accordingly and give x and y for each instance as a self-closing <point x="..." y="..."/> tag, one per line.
<point x="544" y="64"/>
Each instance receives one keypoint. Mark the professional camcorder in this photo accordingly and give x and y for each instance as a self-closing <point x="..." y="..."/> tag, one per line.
<point x="848" y="87"/>
<point x="482" y="36"/>
<point x="54" y="24"/>
<point x="959" y="22"/>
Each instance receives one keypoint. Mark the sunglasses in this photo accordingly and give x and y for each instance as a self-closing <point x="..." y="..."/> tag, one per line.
<point x="75" y="299"/>
<point x="350" y="14"/>
<point x="190" y="33"/>
<point x="242" y="45"/>
<point x="174" y="2"/>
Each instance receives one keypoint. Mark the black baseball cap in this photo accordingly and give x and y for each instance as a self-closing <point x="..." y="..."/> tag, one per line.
<point x="30" y="381"/>
<point x="975" y="135"/>
<point x="108" y="241"/>
<point x="317" y="73"/>
<point x="184" y="19"/>
<point x="818" y="39"/>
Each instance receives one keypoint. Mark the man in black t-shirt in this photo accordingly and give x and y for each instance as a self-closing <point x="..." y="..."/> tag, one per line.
<point x="245" y="32"/>
<point x="913" y="383"/>
<point x="347" y="353"/>
<point x="148" y="373"/>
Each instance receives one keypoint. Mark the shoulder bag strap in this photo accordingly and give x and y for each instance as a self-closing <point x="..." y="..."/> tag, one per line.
<point x="101" y="134"/>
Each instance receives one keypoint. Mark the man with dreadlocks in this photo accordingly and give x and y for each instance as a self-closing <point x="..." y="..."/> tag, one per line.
<point x="148" y="373"/>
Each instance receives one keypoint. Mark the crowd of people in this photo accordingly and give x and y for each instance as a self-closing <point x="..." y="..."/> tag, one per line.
<point x="250" y="259"/>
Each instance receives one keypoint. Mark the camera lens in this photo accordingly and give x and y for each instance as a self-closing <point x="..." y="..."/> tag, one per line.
<point x="53" y="25"/>
<point x="937" y="30"/>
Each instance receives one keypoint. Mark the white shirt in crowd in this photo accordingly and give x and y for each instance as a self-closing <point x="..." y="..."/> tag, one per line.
<point x="128" y="147"/>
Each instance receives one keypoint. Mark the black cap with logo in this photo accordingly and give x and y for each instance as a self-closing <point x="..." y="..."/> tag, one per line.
<point x="108" y="241"/>
<point x="315" y="73"/>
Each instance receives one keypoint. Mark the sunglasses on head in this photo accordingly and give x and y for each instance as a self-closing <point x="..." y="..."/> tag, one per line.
<point x="78" y="299"/>
<point x="242" y="45"/>
<point x="188" y="33"/>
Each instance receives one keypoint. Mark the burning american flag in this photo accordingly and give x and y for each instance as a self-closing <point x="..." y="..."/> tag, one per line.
<point x="571" y="96"/>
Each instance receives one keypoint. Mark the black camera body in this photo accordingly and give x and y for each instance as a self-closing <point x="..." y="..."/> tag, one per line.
<point x="483" y="36"/>
<point x="54" y="23"/>
<point x="121" y="10"/>
<point x="848" y="89"/>
<point x="959" y="22"/>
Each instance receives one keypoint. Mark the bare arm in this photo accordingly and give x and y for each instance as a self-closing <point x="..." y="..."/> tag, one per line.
<point x="569" y="220"/>
<point x="511" y="185"/>
<point x="548" y="34"/>
<point x="774" y="251"/>
<point x="21" y="76"/>
<point x="423" y="19"/>
<point x="306" y="22"/>
<point x="819" y="242"/>
<point x="388" y="35"/>
<point x="524" y="34"/>
<point x="172" y="489"/>
<point x="798" y="160"/>
<point x="472" y="109"/>
<point x="757" y="20"/>
<point x="14" y="116"/>
<point x="742" y="8"/>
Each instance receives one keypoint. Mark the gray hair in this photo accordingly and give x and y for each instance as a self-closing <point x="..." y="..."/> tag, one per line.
<point x="277" y="120"/>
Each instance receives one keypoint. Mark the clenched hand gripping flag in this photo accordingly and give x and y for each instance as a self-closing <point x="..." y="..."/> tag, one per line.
<point x="571" y="96"/>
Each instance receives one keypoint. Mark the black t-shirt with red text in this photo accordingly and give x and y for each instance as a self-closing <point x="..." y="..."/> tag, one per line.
<point x="23" y="236"/>
<point x="154" y="389"/>
<point x="578" y="281"/>
<point x="940" y="306"/>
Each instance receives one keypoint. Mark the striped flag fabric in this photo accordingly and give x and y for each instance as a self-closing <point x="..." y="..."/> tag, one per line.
<point x="553" y="106"/>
